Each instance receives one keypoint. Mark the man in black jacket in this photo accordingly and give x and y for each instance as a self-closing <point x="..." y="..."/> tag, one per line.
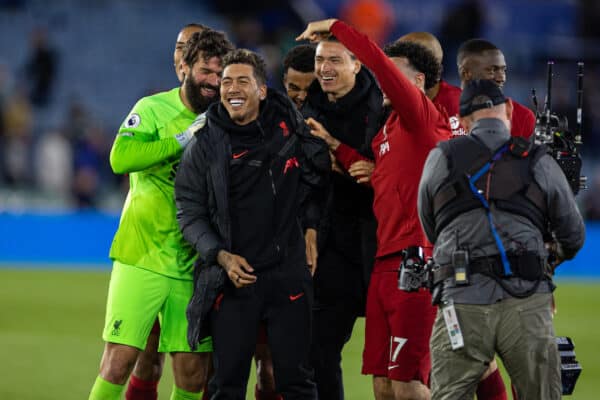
<point x="240" y="188"/>
<point x="345" y="101"/>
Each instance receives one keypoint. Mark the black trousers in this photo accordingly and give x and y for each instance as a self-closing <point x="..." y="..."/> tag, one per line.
<point x="340" y="293"/>
<point x="282" y="298"/>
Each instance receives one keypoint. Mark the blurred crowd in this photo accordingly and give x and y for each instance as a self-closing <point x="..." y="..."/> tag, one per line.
<point x="64" y="163"/>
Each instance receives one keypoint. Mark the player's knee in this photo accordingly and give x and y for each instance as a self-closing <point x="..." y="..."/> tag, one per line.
<point x="149" y="366"/>
<point x="117" y="362"/>
<point x="382" y="388"/>
<point x="189" y="370"/>
<point x="413" y="390"/>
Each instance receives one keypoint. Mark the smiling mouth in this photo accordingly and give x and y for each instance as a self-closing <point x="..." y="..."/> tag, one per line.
<point x="208" y="92"/>
<point x="327" y="79"/>
<point x="236" y="103"/>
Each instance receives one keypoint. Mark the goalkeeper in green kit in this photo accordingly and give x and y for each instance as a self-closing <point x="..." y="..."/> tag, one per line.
<point x="152" y="263"/>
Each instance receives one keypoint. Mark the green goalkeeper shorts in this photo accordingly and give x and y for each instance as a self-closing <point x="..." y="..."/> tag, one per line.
<point x="136" y="296"/>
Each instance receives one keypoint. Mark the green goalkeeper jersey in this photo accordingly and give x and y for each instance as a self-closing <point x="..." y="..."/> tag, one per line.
<point x="148" y="235"/>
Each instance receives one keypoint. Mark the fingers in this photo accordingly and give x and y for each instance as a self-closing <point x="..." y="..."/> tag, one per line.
<point x="240" y="272"/>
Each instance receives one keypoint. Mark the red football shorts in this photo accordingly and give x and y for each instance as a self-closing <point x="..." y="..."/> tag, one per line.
<point x="398" y="327"/>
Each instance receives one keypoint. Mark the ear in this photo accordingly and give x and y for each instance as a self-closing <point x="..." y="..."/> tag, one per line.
<point x="357" y="66"/>
<point x="466" y="123"/>
<point x="262" y="92"/>
<point x="509" y="109"/>
<point x="184" y="68"/>
<point x="464" y="74"/>
<point x="420" y="80"/>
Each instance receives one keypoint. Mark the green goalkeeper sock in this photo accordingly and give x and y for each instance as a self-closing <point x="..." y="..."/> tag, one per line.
<point x="104" y="390"/>
<point x="180" y="394"/>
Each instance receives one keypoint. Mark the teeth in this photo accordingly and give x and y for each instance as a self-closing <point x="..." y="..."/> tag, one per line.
<point x="328" y="78"/>
<point x="236" y="102"/>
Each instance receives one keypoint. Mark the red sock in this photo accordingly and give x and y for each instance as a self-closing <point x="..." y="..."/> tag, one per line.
<point x="264" y="395"/>
<point x="492" y="388"/>
<point x="141" y="390"/>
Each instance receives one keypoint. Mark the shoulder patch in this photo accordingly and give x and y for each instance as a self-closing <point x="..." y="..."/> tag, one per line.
<point x="132" y="121"/>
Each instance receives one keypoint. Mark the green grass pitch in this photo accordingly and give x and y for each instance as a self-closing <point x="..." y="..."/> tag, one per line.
<point x="51" y="321"/>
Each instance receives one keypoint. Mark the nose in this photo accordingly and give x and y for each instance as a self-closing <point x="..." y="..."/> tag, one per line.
<point x="214" y="79"/>
<point x="302" y="95"/>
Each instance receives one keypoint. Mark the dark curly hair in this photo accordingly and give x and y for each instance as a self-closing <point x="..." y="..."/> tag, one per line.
<point x="207" y="43"/>
<point x="245" y="56"/>
<point x="301" y="58"/>
<point x="419" y="58"/>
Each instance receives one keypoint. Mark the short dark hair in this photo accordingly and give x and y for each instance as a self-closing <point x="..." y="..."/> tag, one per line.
<point x="248" y="57"/>
<point x="473" y="47"/>
<point x="301" y="58"/>
<point x="419" y="58"/>
<point x="209" y="42"/>
<point x="332" y="38"/>
<point x="195" y="25"/>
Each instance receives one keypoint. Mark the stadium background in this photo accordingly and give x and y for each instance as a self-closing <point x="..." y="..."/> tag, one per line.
<point x="59" y="202"/>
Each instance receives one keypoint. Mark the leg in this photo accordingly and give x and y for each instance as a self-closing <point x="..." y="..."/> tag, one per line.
<point x="382" y="387"/>
<point x="412" y="390"/>
<point x="338" y="303"/>
<point x="289" y="319"/>
<point x="265" y="381"/>
<point x="117" y="362"/>
<point x="455" y="373"/>
<point x="528" y="348"/>
<point x="134" y="298"/>
<point x="149" y="365"/>
<point x="491" y="386"/>
<point x="189" y="370"/>
<point x="143" y="383"/>
<point x="332" y="328"/>
<point x="233" y="328"/>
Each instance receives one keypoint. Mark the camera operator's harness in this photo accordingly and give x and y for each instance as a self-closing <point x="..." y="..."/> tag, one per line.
<point x="509" y="185"/>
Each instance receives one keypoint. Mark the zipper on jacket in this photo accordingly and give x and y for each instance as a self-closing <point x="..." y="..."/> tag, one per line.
<point x="262" y="133"/>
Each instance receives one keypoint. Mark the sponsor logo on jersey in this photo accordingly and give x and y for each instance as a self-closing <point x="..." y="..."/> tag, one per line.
<point x="133" y="121"/>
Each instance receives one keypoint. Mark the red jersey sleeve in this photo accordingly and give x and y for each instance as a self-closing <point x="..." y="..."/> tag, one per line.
<point x="412" y="105"/>
<point x="522" y="121"/>
<point x="347" y="155"/>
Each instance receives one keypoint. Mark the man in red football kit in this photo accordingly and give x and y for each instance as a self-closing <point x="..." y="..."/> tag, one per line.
<point x="442" y="93"/>
<point x="480" y="59"/>
<point x="491" y="386"/>
<point x="399" y="323"/>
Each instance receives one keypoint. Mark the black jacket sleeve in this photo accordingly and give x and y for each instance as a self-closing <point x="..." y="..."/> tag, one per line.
<point x="316" y="167"/>
<point x="192" y="198"/>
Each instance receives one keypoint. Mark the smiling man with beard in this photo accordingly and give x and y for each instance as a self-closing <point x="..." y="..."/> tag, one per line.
<point x="152" y="264"/>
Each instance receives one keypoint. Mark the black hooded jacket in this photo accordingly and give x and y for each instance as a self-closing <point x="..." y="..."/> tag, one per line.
<point x="292" y="169"/>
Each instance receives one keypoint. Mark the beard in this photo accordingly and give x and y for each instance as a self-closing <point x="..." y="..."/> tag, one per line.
<point x="193" y="93"/>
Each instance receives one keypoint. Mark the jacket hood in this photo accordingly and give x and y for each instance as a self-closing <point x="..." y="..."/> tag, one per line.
<point x="274" y="104"/>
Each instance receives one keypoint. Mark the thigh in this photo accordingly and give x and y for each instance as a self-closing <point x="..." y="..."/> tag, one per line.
<point x="527" y="346"/>
<point x="234" y="325"/>
<point x="456" y="373"/>
<point x="174" y="324"/>
<point x="377" y="330"/>
<point x="135" y="296"/>
<point x="410" y="318"/>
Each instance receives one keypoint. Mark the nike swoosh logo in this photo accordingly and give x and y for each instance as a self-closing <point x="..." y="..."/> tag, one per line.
<point x="392" y="367"/>
<point x="238" y="155"/>
<point x="296" y="297"/>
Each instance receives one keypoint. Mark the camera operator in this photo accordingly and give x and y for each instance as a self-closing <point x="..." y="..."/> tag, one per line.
<point x="486" y="200"/>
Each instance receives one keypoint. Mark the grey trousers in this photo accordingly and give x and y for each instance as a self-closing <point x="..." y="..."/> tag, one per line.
<point x="519" y="330"/>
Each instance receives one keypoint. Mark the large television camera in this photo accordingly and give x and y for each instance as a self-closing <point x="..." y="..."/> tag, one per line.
<point x="553" y="131"/>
